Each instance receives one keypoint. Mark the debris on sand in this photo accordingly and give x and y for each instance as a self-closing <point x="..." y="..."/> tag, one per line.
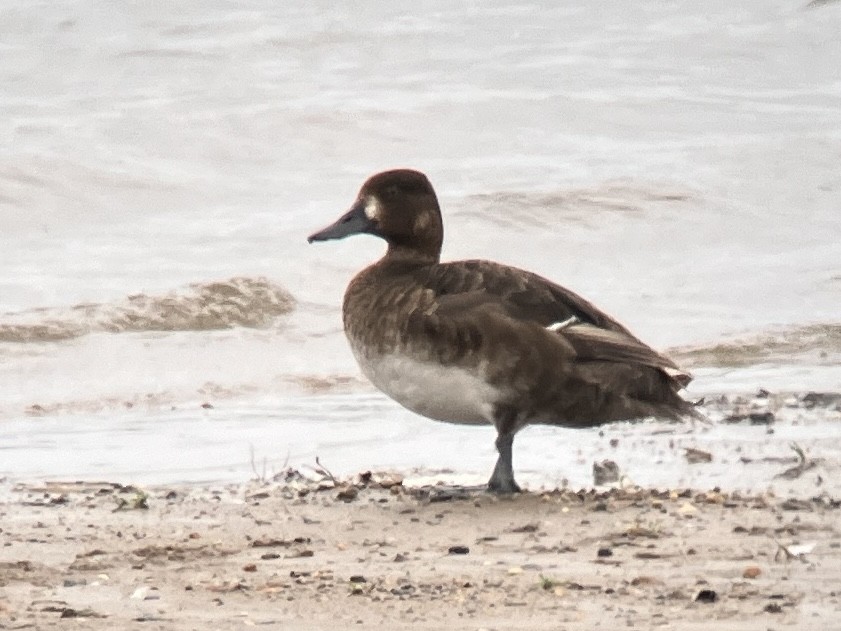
<point x="605" y="472"/>
<point x="69" y="612"/>
<point x="138" y="502"/>
<point x="793" y="551"/>
<point x="830" y="400"/>
<point x="458" y="550"/>
<point x="804" y="464"/>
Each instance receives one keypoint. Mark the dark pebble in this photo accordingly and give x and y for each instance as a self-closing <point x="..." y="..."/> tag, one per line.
<point x="706" y="596"/>
<point x="358" y="578"/>
<point x="796" y="505"/>
<point x="761" y="418"/>
<point x="604" y="552"/>
<point x="73" y="582"/>
<point x="458" y="550"/>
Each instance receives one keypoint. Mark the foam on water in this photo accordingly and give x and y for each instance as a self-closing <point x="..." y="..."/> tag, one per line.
<point x="203" y="307"/>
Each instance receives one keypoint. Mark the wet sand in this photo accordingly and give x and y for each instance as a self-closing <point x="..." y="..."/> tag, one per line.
<point x="313" y="553"/>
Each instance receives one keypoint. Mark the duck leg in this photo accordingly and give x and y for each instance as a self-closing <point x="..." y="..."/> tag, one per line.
<point x="502" y="478"/>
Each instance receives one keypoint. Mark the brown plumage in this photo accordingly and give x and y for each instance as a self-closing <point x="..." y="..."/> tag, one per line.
<point x="476" y="341"/>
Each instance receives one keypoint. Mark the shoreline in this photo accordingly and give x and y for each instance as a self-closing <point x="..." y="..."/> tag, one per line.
<point x="750" y="443"/>
<point x="405" y="549"/>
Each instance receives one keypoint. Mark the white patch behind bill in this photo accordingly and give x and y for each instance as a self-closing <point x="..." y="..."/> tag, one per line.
<point x="372" y="207"/>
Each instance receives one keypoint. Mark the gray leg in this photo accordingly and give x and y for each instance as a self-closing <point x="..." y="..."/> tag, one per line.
<point x="502" y="478"/>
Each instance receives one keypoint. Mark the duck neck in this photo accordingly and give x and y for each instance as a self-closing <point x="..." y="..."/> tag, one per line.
<point x="404" y="254"/>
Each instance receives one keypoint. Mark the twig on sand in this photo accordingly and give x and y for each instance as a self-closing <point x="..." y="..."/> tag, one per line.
<point x="326" y="471"/>
<point x="805" y="463"/>
<point x="258" y="477"/>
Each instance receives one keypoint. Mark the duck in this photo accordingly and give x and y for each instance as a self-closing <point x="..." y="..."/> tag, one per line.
<point x="482" y="343"/>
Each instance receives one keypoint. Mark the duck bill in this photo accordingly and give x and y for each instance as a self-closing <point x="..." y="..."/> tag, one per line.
<point x="354" y="221"/>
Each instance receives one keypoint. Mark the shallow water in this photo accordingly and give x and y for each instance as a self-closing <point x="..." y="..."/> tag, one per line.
<point x="352" y="433"/>
<point x="675" y="163"/>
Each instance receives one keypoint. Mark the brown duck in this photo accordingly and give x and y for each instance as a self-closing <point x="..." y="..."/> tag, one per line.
<point x="478" y="342"/>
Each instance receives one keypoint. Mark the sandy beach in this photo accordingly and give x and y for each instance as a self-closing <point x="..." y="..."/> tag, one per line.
<point x="304" y="550"/>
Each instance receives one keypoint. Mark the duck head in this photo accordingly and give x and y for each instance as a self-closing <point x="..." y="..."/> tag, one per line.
<point x="398" y="206"/>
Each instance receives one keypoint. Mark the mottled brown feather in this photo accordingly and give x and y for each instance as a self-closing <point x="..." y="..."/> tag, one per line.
<point x="483" y="316"/>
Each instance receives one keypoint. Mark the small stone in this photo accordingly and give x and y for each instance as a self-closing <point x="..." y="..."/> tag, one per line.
<point x="69" y="612"/>
<point x="604" y="553"/>
<point x="458" y="550"/>
<point x="250" y="567"/>
<point x="796" y="505"/>
<point x="145" y="593"/>
<point x="358" y="578"/>
<point x="347" y="494"/>
<point x="686" y="509"/>
<point x="389" y="480"/>
<point x="605" y="472"/>
<point x="531" y="527"/>
<point x="697" y="456"/>
<point x="645" y="581"/>
<point x="139" y="593"/>
<point x="761" y="418"/>
<point x="706" y="596"/>
<point x="73" y="582"/>
<point x="751" y="572"/>
<point x="773" y="608"/>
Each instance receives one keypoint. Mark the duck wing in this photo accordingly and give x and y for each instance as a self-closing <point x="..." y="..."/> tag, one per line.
<point x="482" y="287"/>
<point x="525" y="295"/>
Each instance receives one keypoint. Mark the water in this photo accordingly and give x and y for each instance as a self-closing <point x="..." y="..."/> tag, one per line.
<point x="162" y="164"/>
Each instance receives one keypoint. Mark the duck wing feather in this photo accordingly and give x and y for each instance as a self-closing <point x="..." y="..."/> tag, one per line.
<point x="474" y="287"/>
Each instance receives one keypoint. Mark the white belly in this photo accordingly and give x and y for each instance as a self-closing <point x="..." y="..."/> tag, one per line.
<point x="439" y="392"/>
